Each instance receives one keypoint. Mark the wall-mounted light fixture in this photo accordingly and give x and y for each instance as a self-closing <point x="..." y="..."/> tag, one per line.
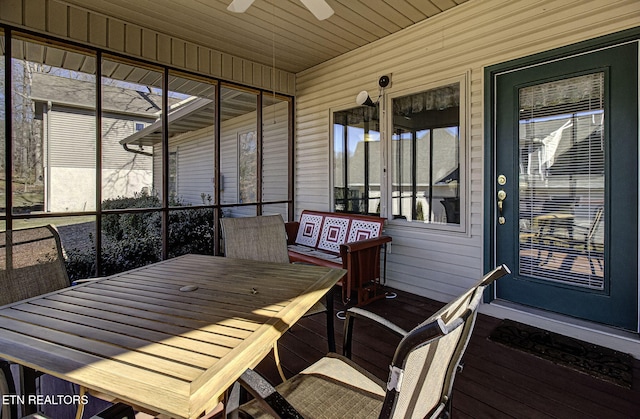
<point x="363" y="98"/>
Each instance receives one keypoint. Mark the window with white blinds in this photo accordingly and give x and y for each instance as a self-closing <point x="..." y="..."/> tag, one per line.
<point x="562" y="181"/>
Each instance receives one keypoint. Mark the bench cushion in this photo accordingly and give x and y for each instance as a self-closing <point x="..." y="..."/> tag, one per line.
<point x="309" y="255"/>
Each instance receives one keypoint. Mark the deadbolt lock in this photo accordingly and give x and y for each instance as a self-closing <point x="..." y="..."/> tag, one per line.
<point x="502" y="180"/>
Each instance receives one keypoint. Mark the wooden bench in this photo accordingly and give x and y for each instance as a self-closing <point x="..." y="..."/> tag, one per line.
<point x="350" y="241"/>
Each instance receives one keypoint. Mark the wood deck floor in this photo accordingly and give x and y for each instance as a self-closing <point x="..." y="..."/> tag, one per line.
<point x="497" y="382"/>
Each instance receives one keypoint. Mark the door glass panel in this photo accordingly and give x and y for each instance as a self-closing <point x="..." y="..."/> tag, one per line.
<point x="562" y="181"/>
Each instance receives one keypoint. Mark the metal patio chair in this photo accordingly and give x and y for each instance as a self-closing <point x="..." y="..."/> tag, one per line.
<point x="32" y="264"/>
<point x="264" y="239"/>
<point x="582" y="240"/>
<point x="419" y="384"/>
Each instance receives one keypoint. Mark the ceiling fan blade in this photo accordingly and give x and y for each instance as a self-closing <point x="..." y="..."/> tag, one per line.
<point x="320" y="9"/>
<point x="239" y="6"/>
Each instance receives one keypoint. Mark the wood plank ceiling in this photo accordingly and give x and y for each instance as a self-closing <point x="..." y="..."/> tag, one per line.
<point x="285" y="27"/>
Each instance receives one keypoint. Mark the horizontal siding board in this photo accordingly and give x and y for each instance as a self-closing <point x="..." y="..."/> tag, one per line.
<point x="78" y="24"/>
<point x="57" y="19"/>
<point x="191" y="57"/>
<point x="149" y="46"/>
<point x="195" y="169"/>
<point x="114" y="156"/>
<point x="204" y="60"/>
<point x="71" y="141"/>
<point x="275" y="152"/>
<point x="116" y="39"/>
<point x="11" y="11"/>
<point x="34" y="14"/>
<point x="98" y="31"/>
<point x="133" y="40"/>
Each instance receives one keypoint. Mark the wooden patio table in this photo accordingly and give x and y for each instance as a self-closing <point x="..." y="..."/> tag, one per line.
<point x="145" y="338"/>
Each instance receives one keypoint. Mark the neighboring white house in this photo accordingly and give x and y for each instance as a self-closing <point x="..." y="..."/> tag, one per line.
<point x="191" y="152"/>
<point x="69" y="150"/>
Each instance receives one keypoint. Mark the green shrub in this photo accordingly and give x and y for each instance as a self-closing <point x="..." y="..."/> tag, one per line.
<point x="191" y="231"/>
<point x="133" y="240"/>
<point x="119" y="226"/>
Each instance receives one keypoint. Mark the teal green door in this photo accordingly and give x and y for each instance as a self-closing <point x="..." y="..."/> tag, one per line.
<point x="566" y="185"/>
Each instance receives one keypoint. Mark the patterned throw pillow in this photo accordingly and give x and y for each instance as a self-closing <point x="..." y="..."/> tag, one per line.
<point x="362" y="230"/>
<point x="334" y="233"/>
<point x="309" y="229"/>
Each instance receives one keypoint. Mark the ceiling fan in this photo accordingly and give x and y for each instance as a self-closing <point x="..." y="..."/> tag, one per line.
<point x="320" y="9"/>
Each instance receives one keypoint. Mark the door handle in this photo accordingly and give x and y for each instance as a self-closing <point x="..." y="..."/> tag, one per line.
<point x="502" y="195"/>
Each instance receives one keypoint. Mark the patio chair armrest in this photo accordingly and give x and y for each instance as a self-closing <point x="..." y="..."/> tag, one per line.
<point x="268" y="397"/>
<point x="355" y="312"/>
<point x="364" y="244"/>
<point x="292" y="231"/>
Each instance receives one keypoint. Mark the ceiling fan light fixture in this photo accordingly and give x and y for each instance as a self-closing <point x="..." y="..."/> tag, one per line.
<point x="320" y="9"/>
<point x="239" y="6"/>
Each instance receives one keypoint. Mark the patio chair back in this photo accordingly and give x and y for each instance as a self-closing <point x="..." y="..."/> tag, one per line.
<point x="595" y="225"/>
<point x="262" y="238"/>
<point x="31" y="263"/>
<point x="427" y="358"/>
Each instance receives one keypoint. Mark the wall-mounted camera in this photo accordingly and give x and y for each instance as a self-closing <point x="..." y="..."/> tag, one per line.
<point x="384" y="81"/>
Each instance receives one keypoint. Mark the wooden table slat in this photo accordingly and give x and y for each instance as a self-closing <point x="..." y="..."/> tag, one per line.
<point x="222" y="326"/>
<point x="90" y="330"/>
<point x="103" y="350"/>
<point x="117" y="379"/>
<point x="235" y="284"/>
<point x="125" y="306"/>
<point x="163" y="333"/>
<point x="197" y="299"/>
<point x="205" y="292"/>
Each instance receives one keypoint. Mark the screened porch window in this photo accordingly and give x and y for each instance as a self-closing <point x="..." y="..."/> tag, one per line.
<point x="426" y="156"/>
<point x="123" y="159"/>
<point x="356" y="160"/>
<point x="247" y="166"/>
